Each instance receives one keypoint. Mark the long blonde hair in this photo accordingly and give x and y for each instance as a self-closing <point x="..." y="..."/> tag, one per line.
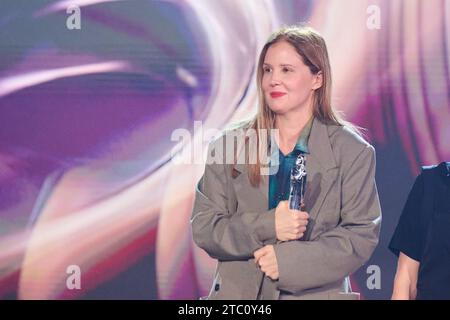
<point x="311" y="46"/>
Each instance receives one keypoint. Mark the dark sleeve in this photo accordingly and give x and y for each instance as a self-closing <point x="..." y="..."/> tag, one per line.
<point x="408" y="234"/>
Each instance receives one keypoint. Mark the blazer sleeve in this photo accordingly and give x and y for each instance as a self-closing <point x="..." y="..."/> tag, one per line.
<point x="342" y="250"/>
<point x="217" y="228"/>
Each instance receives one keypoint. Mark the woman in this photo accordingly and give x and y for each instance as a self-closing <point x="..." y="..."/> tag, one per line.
<point x="241" y="216"/>
<point x="421" y="240"/>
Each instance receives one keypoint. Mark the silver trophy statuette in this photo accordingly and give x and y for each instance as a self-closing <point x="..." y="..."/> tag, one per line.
<point x="298" y="184"/>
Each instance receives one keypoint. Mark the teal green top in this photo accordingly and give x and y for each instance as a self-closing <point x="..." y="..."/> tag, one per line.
<point x="279" y="183"/>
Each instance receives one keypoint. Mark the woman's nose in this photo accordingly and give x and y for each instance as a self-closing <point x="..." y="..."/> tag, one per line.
<point x="274" y="80"/>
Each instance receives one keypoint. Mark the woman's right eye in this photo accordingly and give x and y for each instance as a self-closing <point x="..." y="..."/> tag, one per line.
<point x="266" y="69"/>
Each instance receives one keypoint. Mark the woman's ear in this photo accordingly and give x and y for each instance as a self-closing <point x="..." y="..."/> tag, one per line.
<point x="318" y="80"/>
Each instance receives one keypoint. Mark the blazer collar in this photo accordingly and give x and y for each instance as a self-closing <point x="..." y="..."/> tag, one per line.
<point x="319" y="159"/>
<point x="319" y="146"/>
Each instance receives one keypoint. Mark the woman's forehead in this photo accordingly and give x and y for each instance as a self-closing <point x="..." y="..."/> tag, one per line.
<point x="282" y="53"/>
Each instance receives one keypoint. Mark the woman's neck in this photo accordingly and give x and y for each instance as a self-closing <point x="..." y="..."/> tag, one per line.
<point x="290" y="126"/>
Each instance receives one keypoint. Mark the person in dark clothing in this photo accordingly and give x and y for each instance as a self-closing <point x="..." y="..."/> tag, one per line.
<point x="422" y="238"/>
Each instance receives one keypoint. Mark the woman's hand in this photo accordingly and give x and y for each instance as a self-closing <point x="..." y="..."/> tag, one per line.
<point x="289" y="224"/>
<point x="266" y="259"/>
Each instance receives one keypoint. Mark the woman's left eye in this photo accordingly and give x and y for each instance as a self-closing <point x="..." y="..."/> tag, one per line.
<point x="286" y="70"/>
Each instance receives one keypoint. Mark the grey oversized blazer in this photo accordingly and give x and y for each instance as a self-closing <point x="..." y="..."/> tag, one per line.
<point x="231" y="220"/>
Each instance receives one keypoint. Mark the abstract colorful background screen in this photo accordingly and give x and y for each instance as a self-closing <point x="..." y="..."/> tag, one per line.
<point x="91" y="92"/>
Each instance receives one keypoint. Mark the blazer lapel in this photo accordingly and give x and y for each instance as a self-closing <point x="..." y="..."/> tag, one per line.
<point x="321" y="169"/>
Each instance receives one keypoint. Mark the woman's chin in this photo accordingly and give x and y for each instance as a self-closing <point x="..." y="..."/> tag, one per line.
<point x="278" y="109"/>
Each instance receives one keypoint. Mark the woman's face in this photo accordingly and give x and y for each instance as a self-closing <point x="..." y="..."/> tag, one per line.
<point x="287" y="83"/>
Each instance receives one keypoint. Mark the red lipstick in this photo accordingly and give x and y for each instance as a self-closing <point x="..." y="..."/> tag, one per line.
<point x="277" y="94"/>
